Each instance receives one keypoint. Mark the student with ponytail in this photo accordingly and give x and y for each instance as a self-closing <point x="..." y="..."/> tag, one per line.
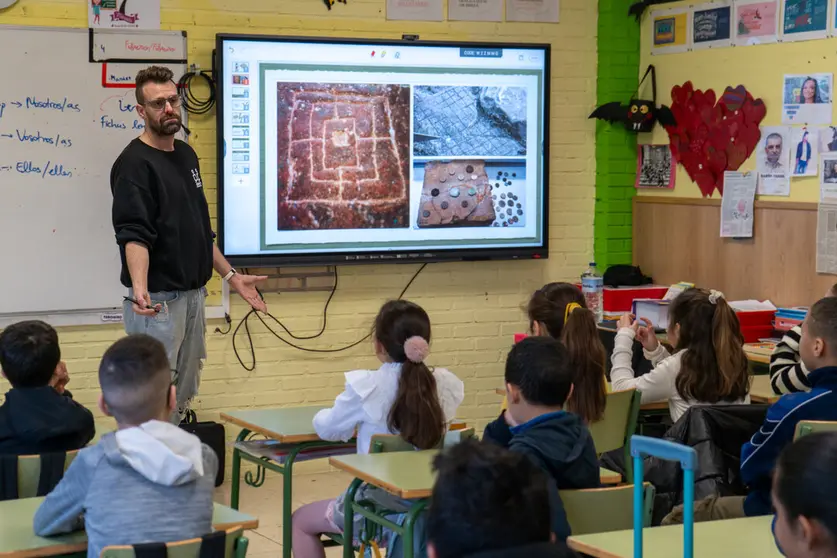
<point x="708" y="365"/>
<point x="558" y="310"/>
<point x="404" y="396"/>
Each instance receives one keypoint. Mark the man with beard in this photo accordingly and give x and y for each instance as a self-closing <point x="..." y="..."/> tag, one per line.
<point x="161" y="219"/>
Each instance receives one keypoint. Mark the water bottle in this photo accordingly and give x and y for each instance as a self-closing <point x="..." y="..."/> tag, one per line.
<point x="592" y="285"/>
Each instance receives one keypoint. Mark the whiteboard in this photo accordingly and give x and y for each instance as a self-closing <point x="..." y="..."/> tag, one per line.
<point x="60" y="132"/>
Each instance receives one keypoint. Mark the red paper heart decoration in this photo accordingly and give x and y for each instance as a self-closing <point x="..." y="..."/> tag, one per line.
<point x="712" y="137"/>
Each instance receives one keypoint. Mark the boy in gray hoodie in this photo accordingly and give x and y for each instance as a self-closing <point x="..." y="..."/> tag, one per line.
<point x="149" y="481"/>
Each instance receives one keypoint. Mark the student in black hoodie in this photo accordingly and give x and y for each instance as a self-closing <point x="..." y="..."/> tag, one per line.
<point x="490" y="503"/>
<point x="39" y="414"/>
<point x="538" y="383"/>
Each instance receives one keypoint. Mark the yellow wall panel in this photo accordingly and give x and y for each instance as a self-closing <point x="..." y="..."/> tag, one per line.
<point x="475" y="307"/>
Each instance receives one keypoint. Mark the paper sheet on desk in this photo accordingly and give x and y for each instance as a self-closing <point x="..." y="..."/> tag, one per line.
<point x="737" y="204"/>
<point x="752" y="305"/>
<point x="827" y="238"/>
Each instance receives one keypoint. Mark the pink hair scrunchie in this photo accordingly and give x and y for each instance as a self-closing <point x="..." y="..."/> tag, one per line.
<point x="416" y="348"/>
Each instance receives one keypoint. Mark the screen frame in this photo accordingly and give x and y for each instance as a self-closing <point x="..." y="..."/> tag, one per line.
<point x="387" y="256"/>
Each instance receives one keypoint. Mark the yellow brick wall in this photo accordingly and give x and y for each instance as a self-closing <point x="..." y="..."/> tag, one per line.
<point x="474" y="307"/>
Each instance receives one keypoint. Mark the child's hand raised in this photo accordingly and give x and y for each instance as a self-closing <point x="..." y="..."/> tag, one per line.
<point x="645" y="335"/>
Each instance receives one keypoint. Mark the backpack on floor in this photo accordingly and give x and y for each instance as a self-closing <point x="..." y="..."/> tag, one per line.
<point x="210" y="433"/>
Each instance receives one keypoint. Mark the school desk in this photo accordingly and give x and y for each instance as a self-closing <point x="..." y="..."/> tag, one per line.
<point x="293" y="425"/>
<point x="405" y="474"/>
<point x="743" y="538"/>
<point x="18" y="539"/>
<point x="761" y="391"/>
<point x="759" y="353"/>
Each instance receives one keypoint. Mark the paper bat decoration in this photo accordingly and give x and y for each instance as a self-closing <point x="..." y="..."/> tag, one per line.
<point x="638" y="115"/>
<point x="638" y="8"/>
<point x="330" y="3"/>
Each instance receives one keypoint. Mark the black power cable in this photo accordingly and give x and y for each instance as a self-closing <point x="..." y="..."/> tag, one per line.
<point x="246" y="319"/>
<point x="191" y="103"/>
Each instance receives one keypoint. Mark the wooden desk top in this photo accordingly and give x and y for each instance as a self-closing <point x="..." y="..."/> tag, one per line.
<point x="408" y="474"/>
<point x="18" y="539"/>
<point x="761" y="391"/>
<point x="743" y="538"/>
<point x="288" y="425"/>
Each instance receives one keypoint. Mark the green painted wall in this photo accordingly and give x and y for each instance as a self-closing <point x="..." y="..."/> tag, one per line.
<point x="618" y="69"/>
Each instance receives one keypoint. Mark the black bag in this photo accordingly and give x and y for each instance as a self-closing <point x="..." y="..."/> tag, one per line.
<point x="625" y="276"/>
<point x="213" y="435"/>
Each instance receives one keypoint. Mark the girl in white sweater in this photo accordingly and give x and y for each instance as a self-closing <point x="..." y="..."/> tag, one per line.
<point x="404" y="396"/>
<point x="708" y="365"/>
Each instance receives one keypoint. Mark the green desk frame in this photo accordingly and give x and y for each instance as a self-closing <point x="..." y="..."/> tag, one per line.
<point x="257" y="480"/>
<point x="377" y="516"/>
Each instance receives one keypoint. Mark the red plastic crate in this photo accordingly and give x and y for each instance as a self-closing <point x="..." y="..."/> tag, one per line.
<point x="753" y="334"/>
<point x="622" y="299"/>
<point x="756" y="318"/>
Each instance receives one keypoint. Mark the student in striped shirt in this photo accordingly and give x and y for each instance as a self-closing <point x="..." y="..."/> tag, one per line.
<point x="787" y="371"/>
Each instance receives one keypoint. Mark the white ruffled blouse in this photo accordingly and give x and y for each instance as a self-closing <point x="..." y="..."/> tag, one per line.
<point x="369" y="395"/>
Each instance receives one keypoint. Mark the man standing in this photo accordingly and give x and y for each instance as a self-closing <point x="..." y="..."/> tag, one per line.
<point x="773" y="152"/>
<point x="161" y="220"/>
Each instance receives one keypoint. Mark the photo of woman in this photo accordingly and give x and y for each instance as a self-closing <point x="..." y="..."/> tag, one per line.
<point x="807" y="99"/>
<point x="810" y="93"/>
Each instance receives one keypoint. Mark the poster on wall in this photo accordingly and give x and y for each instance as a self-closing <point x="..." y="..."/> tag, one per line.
<point x="123" y="14"/>
<point x="712" y="25"/>
<point x="828" y="139"/>
<point x="542" y="11"/>
<point x="773" y="161"/>
<point x="804" y="152"/>
<point x="655" y="167"/>
<point x="807" y="99"/>
<point x="803" y="20"/>
<point x="827" y="238"/>
<point x="828" y="178"/>
<point x="475" y="10"/>
<point x="415" y="10"/>
<point x="737" y="204"/>
<point x="670" y="31"/>
<point x="756" y="22"/>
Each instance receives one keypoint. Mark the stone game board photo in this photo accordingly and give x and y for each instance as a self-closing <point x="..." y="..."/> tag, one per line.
<point x="343" y="156"/>
<point x="455" y="194"/>
<point x="469" y="121"/>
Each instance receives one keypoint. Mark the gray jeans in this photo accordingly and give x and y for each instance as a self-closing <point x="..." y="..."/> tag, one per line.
<point x="181" y="327"/>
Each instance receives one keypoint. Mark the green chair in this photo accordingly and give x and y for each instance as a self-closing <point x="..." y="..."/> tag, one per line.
<point x="617" y="426"/>
<point x="805" y="427"/>
<point x="235" y="547"/>
<point x="599" y="510"/>
<point x="29" y="473"/>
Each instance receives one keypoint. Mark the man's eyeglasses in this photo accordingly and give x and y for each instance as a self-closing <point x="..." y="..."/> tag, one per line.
<point x="160" y="104"/>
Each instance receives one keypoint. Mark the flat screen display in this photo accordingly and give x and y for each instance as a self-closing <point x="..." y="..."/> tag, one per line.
<point x="352" y="151"/>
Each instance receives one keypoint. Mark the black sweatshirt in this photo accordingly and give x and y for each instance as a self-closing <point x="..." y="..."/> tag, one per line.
<point x="158" y="201"/>
<point x="560" y="444"/>
<point x="40" y="420"/>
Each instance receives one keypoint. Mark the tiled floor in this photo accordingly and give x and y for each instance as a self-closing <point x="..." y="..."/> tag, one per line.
<point x="266" y="504"/>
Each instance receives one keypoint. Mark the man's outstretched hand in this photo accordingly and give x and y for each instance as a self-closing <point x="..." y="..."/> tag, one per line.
<point x="245" y="286"/>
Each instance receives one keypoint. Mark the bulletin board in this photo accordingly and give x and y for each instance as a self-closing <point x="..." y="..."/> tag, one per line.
<point x="759" y="67"/>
